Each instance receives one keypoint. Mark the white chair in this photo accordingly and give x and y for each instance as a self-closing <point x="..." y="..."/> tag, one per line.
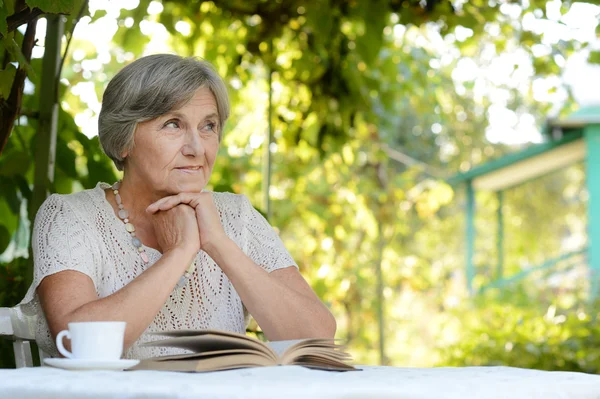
<point x="20" y="330"/>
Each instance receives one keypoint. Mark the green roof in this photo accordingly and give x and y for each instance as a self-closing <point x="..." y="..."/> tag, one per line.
<point x="583" y="116"/>
<point x="571" y="128"/>
<point x="511" y="159"/>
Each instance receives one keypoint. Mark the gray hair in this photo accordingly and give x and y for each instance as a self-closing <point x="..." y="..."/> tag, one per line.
<point x="148" y="88"/>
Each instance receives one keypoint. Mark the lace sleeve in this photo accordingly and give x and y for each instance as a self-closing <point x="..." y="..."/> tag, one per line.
<point x="60" y="242"/>
<point x="261" y="242"/>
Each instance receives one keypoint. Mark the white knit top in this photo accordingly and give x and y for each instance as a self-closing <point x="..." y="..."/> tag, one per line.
<point x="81" y="232"/>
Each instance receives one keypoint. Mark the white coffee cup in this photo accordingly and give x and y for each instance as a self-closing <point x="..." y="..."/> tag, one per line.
<point x="93" y="340"/>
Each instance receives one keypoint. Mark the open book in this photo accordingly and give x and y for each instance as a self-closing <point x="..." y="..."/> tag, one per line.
<point x="213" y="350"/>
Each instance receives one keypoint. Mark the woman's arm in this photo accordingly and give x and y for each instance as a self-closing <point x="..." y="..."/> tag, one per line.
<point x="282" y="302"/>
<point x="70" y="296"/>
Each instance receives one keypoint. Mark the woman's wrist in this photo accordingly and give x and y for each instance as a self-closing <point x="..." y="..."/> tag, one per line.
<point x="220" y="247"/>
<point x="184" y="256"/>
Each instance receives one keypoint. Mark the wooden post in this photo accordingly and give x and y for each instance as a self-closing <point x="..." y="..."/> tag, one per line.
<point x="266" y="181"/>
<point x="470" y="236"/>
<point x="592" y="140"/>
<point x="380" y="296"/>
<point x="500" y="235"/>
<point x="45" y="143"/>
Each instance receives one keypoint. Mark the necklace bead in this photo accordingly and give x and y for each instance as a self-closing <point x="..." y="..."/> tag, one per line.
<point x="124" y="215"/>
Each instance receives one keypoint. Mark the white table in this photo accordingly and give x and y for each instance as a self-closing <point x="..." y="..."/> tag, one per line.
<point x="291" y="382"/>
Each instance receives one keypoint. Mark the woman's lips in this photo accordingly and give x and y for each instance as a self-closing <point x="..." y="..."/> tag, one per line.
<point x="190" y="169"/>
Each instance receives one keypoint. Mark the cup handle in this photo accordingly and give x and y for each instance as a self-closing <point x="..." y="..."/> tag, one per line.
<point x="60" y="346"/>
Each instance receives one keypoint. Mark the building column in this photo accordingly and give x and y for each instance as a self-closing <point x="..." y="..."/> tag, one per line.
<point x="592" y="140"/>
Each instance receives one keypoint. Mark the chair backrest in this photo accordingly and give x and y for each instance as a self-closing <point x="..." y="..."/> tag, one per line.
<point x="20" y="329"/>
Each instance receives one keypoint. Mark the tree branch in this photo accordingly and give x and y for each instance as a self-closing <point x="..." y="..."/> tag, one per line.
<point x="22" y="17"/>
<point x="9" y="109"/>
<point x="410" y="161"/>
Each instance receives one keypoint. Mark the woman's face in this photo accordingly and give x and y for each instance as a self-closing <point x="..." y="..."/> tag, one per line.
<point x="176" y="152"/>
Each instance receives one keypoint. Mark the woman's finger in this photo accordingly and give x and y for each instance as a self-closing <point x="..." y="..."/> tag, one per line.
<point x="164" y="204"/>
<point x="173" y="201"/>
<point x="160" y="204"/>
<point x="154" y="207"/>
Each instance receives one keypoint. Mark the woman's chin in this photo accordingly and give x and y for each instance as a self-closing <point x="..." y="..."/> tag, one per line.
<point x="189" y="184"/>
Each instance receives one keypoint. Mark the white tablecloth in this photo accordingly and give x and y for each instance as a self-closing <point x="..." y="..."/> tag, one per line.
<point x="296" y="382"/>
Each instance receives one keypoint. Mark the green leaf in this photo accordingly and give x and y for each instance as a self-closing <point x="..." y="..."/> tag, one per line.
<point x="132" y="38"/>
<point x="10" y="193"/>
<point x="99" y="170"/>
<point x="594" y="57"/>
<point x="13" y="49"/>
<point x="545" y="66"/>
<point x="52" y="6"/>
<point x="14" y="163"/>
<point x="99" y="165"/>
<point x="7" y="216"/>
<point x="3" y="15"/>
<point x="65" y="159"/>
<point x="23" y="186"/>
<point x="6" y="80"/>
<point x="374" y="14"/>
<point x="66" y="125"/>
<point x="10" y="6"/>
<point x="529" y="38"/>
<point x="63" y="184"/>
<point x="83" y="140"/>
<point x="4" y="238"/>
<point x="97" y="15"/>
<point x="36" y="64"/>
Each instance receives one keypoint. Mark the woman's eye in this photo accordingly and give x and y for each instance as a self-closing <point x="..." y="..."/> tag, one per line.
<point x="172" y="124"/>
<point x="211" y="126"/>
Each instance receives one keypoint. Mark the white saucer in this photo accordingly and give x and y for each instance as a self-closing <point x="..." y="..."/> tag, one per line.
<point x="86" y="364"/>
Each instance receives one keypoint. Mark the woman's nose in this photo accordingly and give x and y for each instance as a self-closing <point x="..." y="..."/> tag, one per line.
<point x="193" y="146"/>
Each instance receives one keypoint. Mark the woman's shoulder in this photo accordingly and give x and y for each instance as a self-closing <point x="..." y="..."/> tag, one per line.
<point x="74" y="203"/>
<point x="225" y="200"/>
<point x="231" y="205"/>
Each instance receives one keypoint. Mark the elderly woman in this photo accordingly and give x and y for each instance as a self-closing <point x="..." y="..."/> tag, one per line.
<point x="156" y="249"/>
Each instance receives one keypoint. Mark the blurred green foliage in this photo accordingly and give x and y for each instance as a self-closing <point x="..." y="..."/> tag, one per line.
<point x="496" y="330"/>
<point x="354" y="84"/>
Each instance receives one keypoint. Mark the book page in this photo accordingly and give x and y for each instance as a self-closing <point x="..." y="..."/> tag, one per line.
<point x="197" y="356"/>
<point x="317" y="353"/>
<point x="195" y="333"/>
<point x="284" y="348"/>
<point x="216" y="350"/>
<point x="219" y="362"/>
<point x="212" y="342"/>
<point x="279" y="347"/>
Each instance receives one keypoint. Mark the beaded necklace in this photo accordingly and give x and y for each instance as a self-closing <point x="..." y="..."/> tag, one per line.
<point x="137" y="243"/>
